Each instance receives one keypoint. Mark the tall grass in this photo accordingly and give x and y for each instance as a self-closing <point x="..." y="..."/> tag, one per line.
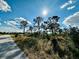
<point x="45" y="48"/>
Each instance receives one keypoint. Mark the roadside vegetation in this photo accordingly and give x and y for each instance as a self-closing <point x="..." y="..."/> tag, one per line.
<point x="47" y="40"/>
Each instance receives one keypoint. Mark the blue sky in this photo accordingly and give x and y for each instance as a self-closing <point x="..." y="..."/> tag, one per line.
<point x="10" y="10"/>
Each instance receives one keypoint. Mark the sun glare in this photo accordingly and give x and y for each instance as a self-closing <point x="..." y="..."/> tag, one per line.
<point x="45" y="12"/>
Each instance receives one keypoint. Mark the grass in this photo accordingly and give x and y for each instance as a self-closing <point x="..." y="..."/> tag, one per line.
<point x="43" y="48"/>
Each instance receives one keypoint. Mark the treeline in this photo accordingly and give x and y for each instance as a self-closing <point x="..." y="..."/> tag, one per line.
<point x="41" y="25"/>
<point x="11" y="33"/>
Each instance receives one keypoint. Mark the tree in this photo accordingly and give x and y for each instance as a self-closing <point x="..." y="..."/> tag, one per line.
<point x="37" y="22"/>
<point x="30" y="28"/>
<point x="23" y="25"/>
<point x="60" y="31"/>
<point x="53" y="23"/>
<point x="74" y="34"/>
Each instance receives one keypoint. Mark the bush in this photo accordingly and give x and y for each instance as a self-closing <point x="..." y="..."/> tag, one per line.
<point x="30" y="43"/>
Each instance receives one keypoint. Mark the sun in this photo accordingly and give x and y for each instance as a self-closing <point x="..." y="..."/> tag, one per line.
<point x="45" y="12"/>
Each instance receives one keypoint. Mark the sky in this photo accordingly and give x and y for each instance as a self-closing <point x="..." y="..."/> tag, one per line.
<point x="12" y="11"/>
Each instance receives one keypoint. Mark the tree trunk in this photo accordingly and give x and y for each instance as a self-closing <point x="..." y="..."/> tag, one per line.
<point x="52" y="31"/>
<point x="24" y="30"/>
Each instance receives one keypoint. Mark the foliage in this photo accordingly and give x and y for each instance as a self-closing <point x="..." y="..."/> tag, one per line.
<point x="36" y="46"/>
<point x="60" y="44"/>
<point x="23" y="25"/>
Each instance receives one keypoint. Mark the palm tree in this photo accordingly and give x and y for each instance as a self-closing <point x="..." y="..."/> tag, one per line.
<point x="23" y="25"/>
<point x="38" y="21"/>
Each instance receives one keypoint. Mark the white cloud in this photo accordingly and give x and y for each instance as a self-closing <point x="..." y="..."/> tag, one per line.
<point x="4" y="6"/>
<point x="64" y="5"/>
<point x="13" y="22"/>
<point x="72" y="20"/>
<point x="10" y="22"/>
<point x="70" y="2"/>
<point x="70" y="8"/>
<point x="10" y="26"/>
<point x="13" y="25"/>
<point x="0" y="23"/>
<point x="9" y="29"/>
<point x="21" y="18"/>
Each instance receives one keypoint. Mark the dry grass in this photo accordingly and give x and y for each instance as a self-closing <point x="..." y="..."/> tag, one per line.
<point x="36" y="48"/>
<point x="21" y="38"/>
